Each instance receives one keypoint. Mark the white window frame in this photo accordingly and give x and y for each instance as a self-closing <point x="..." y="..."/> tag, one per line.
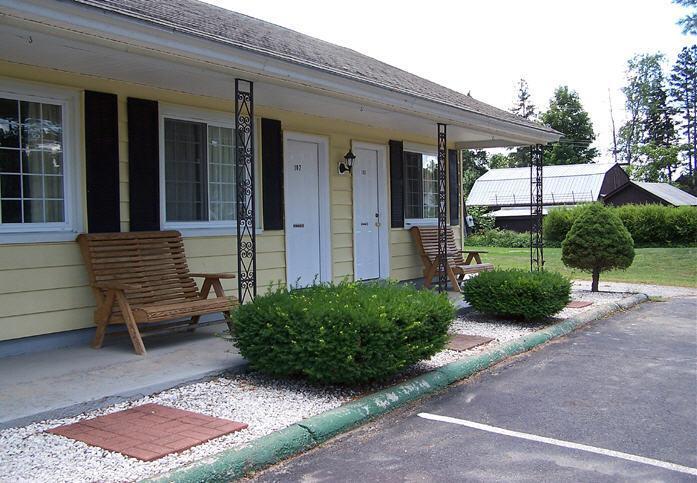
<point x="69" y="100"/>
<point x="216" y="118"/>
<point x="423" y="150"/>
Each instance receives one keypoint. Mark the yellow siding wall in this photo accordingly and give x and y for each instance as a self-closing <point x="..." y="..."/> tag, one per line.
<point x="43" y="286"/>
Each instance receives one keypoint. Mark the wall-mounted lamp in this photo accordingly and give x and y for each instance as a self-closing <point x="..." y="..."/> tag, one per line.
<point x="347" y="165"/>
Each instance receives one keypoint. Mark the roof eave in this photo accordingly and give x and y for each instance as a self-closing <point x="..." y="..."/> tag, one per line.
<point x="84" y="17"/>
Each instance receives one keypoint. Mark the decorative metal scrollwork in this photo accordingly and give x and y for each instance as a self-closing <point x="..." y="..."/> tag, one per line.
<point x="442" y="211"/>
<point x="244" y="163"/>
<point x="537" y="260"/>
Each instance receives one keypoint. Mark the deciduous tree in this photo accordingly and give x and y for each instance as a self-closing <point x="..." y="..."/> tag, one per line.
<point x="566" y="115"/>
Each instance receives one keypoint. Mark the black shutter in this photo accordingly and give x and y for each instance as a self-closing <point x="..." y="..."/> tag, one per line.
<point x="143" y="165"/>
<point x="102" y="162"/>
<point x="272" y="173"/>
<point x="454" y="181"/>
<point x="397" y="184"/>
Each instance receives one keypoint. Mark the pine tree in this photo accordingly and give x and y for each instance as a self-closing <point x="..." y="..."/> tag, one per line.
<point x="683" y="94"/>
<point x="566" y="115"/>
<point x="524" y="108"/>
<point x="648" y="137"/>
<point x="689" y="21"/>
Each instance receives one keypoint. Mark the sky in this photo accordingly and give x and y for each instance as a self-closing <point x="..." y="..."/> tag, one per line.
<point x="485" y="46"/>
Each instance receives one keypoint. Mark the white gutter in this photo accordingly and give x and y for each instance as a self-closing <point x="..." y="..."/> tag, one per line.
<point x="131" y="34"/>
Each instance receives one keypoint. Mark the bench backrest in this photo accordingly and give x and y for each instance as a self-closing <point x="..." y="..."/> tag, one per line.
<point x="426" y="239"/>
<point x="155" y="261"/>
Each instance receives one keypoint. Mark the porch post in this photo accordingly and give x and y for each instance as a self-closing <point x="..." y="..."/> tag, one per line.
<point x="442" y="211"/>
<point x="244" y="164"/>
<point x="537" y="260"/>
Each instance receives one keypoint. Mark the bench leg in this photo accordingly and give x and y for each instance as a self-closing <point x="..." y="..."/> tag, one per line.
<point x="103" y="319"/>
<point x="131" y="324"/>
<point x="205" y="290"/>
<point x="453" y="279"/>
<point x="428" y="275"/>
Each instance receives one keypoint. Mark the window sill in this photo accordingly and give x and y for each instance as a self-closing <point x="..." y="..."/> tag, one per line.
<point x="409" y="222"/>
<point x="10" y="238"/>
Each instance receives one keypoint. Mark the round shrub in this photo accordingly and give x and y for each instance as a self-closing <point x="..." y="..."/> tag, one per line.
<point x="597" y="241"/>
<point x="518" y="293"/>
<point x="345" y="333"/>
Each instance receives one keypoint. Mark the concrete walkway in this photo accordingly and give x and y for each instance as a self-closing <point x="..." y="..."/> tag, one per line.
<point x="626" y="384"/>
<point x="68" y="381"/>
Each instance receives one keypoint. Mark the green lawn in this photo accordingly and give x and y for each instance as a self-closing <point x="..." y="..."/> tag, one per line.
<point x="662" y="266"/>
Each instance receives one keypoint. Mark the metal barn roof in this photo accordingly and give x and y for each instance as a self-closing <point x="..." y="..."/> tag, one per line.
<point x="574" y="183"/>
<point x="669" y="193"/>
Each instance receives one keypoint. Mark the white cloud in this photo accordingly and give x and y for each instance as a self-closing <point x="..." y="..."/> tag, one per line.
<point x="485" y="46"/>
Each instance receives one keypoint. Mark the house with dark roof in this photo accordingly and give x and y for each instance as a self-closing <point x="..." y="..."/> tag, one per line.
<point x="640" y="192"/>
<point x="276" y="155"/>
<point x="506" y="191"/>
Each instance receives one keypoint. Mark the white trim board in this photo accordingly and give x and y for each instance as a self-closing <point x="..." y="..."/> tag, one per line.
<point x="325" y="232"/>
<point x="383" y="196"/>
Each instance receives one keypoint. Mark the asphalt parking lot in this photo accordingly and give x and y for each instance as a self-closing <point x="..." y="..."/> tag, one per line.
<point x="615" y="401"/>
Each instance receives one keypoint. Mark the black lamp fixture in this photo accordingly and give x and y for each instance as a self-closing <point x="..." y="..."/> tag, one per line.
<point x="347" y="165"/>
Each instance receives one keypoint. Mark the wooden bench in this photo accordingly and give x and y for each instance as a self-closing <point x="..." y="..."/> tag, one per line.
<point x="143" y="277"/>
<point x="426" y="239"/>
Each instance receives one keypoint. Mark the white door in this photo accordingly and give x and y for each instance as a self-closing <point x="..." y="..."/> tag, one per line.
<point x="304" y="195"/>
<point x="369" y="236"/>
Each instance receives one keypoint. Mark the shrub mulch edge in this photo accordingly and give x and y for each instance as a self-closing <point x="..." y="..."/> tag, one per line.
<point x="297" y="438"/>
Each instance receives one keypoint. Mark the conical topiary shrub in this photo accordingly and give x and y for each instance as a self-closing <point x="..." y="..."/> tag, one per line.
<point x="597" y="242"/>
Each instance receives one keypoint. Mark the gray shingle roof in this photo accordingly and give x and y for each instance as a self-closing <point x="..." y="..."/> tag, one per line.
<point x="221" y="25"/>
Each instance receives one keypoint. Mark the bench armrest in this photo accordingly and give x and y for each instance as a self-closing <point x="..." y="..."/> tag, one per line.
<point x="213" y="275"/>
<point x="474" y="251"/>
<point x="116" y="286"/>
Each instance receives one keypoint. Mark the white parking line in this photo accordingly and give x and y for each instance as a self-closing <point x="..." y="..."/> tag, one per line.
<point x="566" y="444"/>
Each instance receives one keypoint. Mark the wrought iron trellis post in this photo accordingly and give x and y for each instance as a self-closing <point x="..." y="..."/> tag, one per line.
<point x="442" y="211"/>
<point x="537" y="260"/>
<point x="244" y="164"/>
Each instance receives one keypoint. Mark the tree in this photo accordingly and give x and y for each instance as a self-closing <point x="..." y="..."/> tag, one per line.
<point x="566" y="115"/>
<point x="524" y="108"/>
<point x="648" y="137"/>
<point x="499" y="160"/>
<point x="683" y="94"/>
<point x="689" y="21"/>
<point x="597" y="242"/>
<point x="473" y="166"/>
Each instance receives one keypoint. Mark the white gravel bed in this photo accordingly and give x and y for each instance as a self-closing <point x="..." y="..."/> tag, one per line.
<point x="474" y="323"/>
<point x="267" y="405"/>
<point x="28" y="454"/>
<point x="648" y="289"/>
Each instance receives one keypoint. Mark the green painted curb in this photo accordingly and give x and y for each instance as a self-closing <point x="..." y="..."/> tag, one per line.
<point x="297" y="438"/>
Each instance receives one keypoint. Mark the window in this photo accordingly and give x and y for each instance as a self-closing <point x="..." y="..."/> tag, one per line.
<point x="198" y="161"/>
<point x="420" y="188"/>
<point x="35" y="163"/>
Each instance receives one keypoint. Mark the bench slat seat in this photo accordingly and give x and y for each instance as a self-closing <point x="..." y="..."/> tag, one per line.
<point x="141" y="277"/>
<point x="426" y="240"/>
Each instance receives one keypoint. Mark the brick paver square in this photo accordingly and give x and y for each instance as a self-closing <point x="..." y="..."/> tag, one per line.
<point x="148" y="432"/>
<point x="578" y="304"/>
<point x="460" y="342"/>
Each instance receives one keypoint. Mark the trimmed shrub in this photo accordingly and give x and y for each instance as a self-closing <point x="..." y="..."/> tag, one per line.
<point x="597" y="242"/>
<point x="346" y="333"/>
<point x="557" y="223"/>
<point x="518" y="293"/>
<point x="649" y="225"/>
<point x="500" y="238"/>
